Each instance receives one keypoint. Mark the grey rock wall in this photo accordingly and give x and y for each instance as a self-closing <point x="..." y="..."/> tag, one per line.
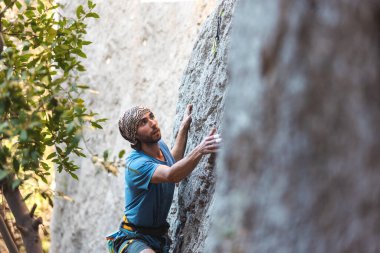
<point x="204" y="84"/>
<point x="299" y="171"/>
<point x="139" y="52"/>
<point x="299" y="168"/>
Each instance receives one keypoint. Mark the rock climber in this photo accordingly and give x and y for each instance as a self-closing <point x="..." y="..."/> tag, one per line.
<point x="150" y="176"/>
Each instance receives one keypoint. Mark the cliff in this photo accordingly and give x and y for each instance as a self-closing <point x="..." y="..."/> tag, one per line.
<point x="292" y="86"/>
<point x="204" y="84"/>
<point x="138" y="55"/>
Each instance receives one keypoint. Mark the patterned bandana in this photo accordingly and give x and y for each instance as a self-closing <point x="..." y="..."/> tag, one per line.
<point x="129" y="122"/>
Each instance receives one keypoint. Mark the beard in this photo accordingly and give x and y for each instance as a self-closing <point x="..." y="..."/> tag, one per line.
<point x="153" y="138"/>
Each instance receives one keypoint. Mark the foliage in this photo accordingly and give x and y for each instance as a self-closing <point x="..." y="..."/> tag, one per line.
<point x="42" y="114"/>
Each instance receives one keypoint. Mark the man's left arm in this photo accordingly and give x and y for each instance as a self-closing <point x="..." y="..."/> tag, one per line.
<point x="178" y="150"/>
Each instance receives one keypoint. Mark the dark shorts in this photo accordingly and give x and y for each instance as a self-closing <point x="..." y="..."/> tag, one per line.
<point x="136" y="246"/>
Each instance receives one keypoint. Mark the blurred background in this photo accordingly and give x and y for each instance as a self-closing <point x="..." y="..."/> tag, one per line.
<point x="292" y="87"/>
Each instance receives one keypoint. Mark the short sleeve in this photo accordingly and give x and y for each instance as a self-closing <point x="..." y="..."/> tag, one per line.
<point x="140" y="172"/>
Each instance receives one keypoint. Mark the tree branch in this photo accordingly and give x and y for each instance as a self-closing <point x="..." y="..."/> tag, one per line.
<point x="6" y="234"/>
<point x="33" y="210"/>
<point x="37" y="222"/>
<point x="6" y="8"/>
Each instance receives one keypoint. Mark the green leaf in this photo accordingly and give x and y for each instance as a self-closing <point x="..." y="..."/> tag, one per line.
<point x="23" y="135"/>
<point x="60" y="168"/>
<point x="51" y="35"/>
<point x="45" y="165"/>
<point x="40" y="7"/>
<point x="73" y="175"/>
<point x="30" y="14"/>
<point x="50" y="201"/>
<point x="121" y="153"/>
<point x="81" y="68"/>
<point x="3" y="174"/>
<point x="78" y="153"/>
<point x="25" y="57"/>
<point x="19" y="5"/>
<point x="27" y="196"/>
<point x="79" y="11"/>
<point x="59" y="150"/>
<point x="16" y="184"/>
<point x="54" y="154"/>
<point x="90" y="4"/>
<point x="49" y="141"/>
<point x="82" y="86"/>
<point x="92" y="15"/>
<point x="85" y="42"/>
<point x="43" y="178"/>
<point x="3" y="126"/>
<point x="9" y="73"/>
<point x="78" y="100"/>
<point x="61" y="49"/>
<point x="102" y="120"/>
<point x="79" y="52"/>
<point x="16" y="164"/>
<point x="96" y="125"/>
<point x="105" y="155"/>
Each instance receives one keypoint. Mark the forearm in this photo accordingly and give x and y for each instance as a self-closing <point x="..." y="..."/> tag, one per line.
<point x="185" y="166"/>
<point x="178" y="150"/>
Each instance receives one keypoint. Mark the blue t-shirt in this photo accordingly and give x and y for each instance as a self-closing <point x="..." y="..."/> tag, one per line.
<point x="147" y="204"/>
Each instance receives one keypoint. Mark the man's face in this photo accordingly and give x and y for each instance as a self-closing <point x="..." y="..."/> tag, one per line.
<point x="148" y="130"/>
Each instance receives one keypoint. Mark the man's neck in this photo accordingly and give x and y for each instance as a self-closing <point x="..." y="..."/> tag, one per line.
<point x="153" y="150"/>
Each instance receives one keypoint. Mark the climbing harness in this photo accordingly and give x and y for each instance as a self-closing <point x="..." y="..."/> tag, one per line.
<point x="118" y="245"/>
<point x="159" y="231"/>
<point x="119" y="241"/>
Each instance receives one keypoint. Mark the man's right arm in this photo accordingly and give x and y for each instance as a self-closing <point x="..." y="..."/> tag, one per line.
<point x="185" y="166"/>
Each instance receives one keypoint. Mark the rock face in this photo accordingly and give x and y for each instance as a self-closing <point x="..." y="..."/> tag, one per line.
<point x="204" y="84"/>
<point x="139" y="52"/>
<point x="299" y="168"/>
<point x="300" y="165"/>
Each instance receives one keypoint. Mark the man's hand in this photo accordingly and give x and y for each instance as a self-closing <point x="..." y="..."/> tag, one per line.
<point x="211" y="143"/>
<point x="179" y="147"/>
<point x="186" y="121"/>
<point x="182" y="168"/>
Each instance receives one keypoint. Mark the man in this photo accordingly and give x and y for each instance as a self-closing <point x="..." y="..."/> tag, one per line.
<point x="150" y="175"/>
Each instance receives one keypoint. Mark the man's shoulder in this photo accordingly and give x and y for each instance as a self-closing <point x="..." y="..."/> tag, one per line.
<point x="137" y="158"/>
<point x="139" y="164"/>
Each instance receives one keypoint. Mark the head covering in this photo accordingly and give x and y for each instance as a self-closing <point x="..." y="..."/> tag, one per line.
<point x="129" y="121"/>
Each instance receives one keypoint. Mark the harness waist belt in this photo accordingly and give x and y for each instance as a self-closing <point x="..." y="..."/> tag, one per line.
<point x="152" y="231"/>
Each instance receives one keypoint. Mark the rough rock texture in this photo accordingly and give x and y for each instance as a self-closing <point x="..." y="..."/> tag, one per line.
<point x="300" y="167"/>
<point x="138" y="55"/>
<point x="204" y="85"/>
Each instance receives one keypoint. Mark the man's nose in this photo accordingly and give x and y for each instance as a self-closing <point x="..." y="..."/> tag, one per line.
<point x="153" y="122"/>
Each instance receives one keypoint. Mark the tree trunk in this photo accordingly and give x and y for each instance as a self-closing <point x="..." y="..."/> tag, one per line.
<point x="7" y="236"/>
<point x="27" y="225"/>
